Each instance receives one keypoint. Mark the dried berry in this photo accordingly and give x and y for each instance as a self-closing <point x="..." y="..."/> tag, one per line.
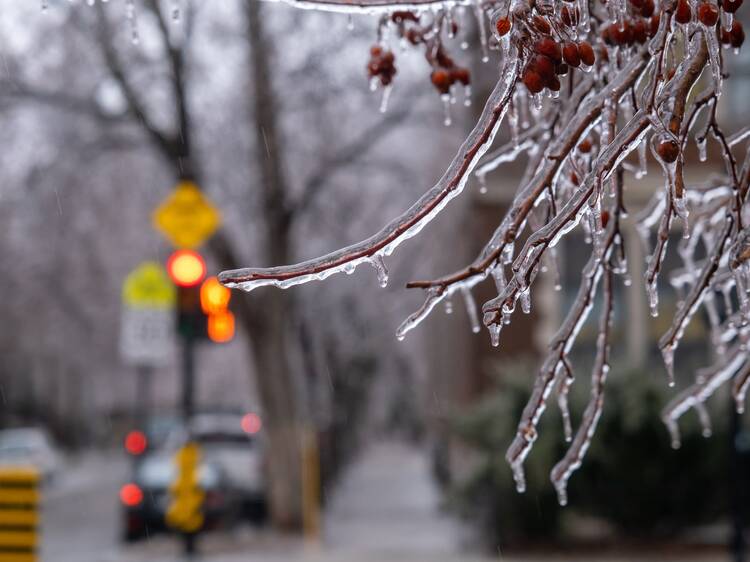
<point x="533" y="81"/>
<point x="668" y="150"/>
<point x="640" y="34"/>
<point x="561" y="69"/>
<point x="461" y="75"/>
<point x="441" y="80"/>
<point x="737" y="35"/>
<point x="654" y="25"/>
<point x="683" y="13"/>
<point x="570" y="54"/>
<point x="376" y="51"/>
<point x="400" y="16"/>
<point x="585" y="146"/>
<point x="541" y="25"/>
<point x="554" y="84"/>
<point x="548" y="47"/>
<point x="586" y="53"/>
<point x="544" y="67"/>
<point x="731" y="6"/>
<point x="623" y="35"/>
<point x="569" y="16"/>
<point x="605" y="218"/>
<point x="502" y="26"/>
<point x="574" y="178"/>
<point x="708" y="14"/>
<point x="638" y="4"/>
<point x="647" y="10"/>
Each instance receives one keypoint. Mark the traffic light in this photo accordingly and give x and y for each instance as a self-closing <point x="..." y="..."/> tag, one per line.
<point x="186" y="268"/>
<point x="214" y="302"/>
<point x="202" y="308"/>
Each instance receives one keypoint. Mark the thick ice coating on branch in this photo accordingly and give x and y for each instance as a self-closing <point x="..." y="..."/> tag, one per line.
<point x="407" y="225"/>
<point x="595" y="92"/>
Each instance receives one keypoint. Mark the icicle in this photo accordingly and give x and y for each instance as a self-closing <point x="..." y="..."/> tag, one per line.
<point x="700" y="142"/>
<point x="704" y="418"/>
<point x="495" y="334"/>
<point x="674" y="432"/>
<point x="386" y="96"/>
<point x="175" y="11"/>
<point x="653" y="297"/>
<point x="482" y="178"/>
<point x="471" y="309"/>
<point x="132" y="18"/>
<point x="519" y="476"/>
<point x="525" y="298"/>
<point x="507" y="256"/>
<point x="45" y="6"/>
<point x="467" y="96"/>
<point x="446" y="109"/>
<point x="667" y="353"/>
<point x="563" y="389"/>
<point x="377" y="262"/>
<point x="479" y="13"/>
<point x="714" y="58"/>
<point x="448" y="306"/>
<point x="513" y="121"/>
<point x="727" y="20"/>
<point x="350" y="22"/>
<point x="498" y="274"/>
<point x="584" y="19"/>
<point x="373" y="83"/>
<point x="642" y="160"/>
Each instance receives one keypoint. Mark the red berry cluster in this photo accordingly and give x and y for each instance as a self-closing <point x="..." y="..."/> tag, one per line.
<point x="381" y="65"/>
<point x="735" y="36"/>
<point x="445" y="72"/>
<point x="639" y="25"/>
<point x="547" y="43"/>
<point x="551" y="60"/>
<point x="708" y="14"/>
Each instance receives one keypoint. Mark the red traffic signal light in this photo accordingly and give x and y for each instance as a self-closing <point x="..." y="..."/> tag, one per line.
<point x="186" y="268"/>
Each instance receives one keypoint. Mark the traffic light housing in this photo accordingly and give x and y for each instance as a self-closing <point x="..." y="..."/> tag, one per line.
<point x="202" y="308"/>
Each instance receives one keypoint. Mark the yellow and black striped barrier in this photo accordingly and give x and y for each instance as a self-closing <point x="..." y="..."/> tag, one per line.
<point x="19" y="514"/>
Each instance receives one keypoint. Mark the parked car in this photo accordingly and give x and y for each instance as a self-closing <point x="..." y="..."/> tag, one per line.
<point x="29" y="446"/>
<point x="152" y="437"/>
<point x="146" y="497"/>
<point x="234" y="443"/>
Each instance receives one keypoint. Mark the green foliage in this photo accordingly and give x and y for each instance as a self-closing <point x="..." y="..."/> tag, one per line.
<point x="630" y="477"/>
<point x="634" y="479"/>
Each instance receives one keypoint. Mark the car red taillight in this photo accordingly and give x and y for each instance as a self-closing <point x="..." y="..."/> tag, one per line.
<point x="131" y="495"/>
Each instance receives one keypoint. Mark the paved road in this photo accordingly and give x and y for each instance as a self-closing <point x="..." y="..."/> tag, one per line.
<point x="384" y="510"/>
<point x="79" y="519"/>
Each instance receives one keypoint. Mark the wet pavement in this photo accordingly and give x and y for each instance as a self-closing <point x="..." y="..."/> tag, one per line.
<point x="384" y="509"/>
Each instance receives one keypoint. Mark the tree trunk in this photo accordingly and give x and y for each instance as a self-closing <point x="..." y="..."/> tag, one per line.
<point x="269" y="323"/>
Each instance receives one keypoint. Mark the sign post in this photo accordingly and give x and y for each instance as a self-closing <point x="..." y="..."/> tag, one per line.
<point x="186" y="218"/>
<point x="147" y="328"/>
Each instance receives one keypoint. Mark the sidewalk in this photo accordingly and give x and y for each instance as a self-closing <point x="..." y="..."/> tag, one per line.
<point x="387" y="503"/>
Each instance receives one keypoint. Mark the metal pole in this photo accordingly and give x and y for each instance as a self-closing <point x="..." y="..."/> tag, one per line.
<point x="188" y="405"/>
<point x="188" y="376"/>
<point x="142" y="404"/>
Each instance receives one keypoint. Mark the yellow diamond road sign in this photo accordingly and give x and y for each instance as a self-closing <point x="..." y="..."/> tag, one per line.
<point x="186" y="217"/>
